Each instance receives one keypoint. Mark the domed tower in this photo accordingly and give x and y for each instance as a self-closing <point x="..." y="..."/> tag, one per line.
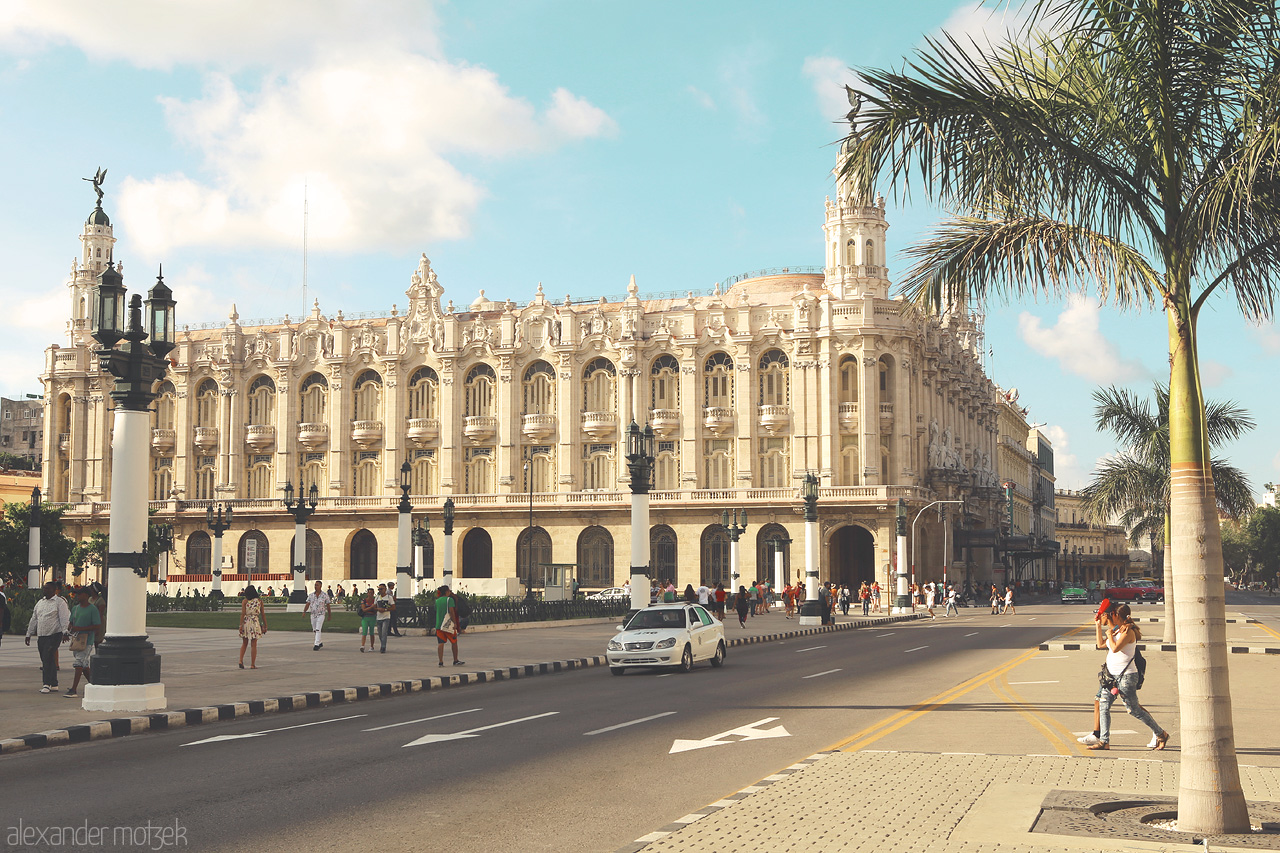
<point x="855" y="230"/>
<point x="97" y="242"/>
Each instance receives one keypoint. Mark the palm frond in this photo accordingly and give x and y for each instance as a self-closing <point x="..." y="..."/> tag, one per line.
<point x="1232" y="488"/>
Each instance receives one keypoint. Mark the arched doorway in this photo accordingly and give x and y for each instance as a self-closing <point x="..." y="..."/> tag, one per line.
<point x="663" y="551"/>
<point x="533" y="551"/>
<point x="715" y="556"/>
<point x="315" y="555"/>
<point x="766" y="550"/>
<point x="255" y="553"/>
<point x="595" y="558"/>
<point x="477" y="554"/>
<point x="199" y="553"/>
<point x="364" y="556"/>
<point x="853" y="556"/>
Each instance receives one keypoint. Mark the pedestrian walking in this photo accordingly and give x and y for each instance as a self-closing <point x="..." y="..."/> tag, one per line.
<point x="704" y="595"/>
<point x="875" y="596"/>
<point x="996" y="601"/>
<point x="384" y="605"/>
<point x="930" y="593"/>
<point x="742" y="603"/>
<point x="83" y="626"/>
<point x="951" y="602"/>
<point x="395" y="615"/>
<point x="788" y="600"/>
<point x="368" y="609"/>
<point x="721" y="596"/>
<point x="864" y="595"/>
<point x="446" y="625"/>
<point x="49" y="621"/>
<point x="318" y="606"/>
<point x="1008" y="601"/>
<point x="690" y="594"/>
<point x="253" y="625"/>
<point x="1120" y="676"/>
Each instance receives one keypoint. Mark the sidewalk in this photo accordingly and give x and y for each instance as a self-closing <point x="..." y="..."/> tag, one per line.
<point x="199" y="671"/>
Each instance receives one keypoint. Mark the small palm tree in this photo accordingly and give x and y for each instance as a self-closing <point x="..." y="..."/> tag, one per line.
<point x="1134" y="485"/>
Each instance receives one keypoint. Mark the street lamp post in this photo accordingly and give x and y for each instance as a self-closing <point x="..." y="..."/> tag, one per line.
<point x="729" y="521"/>
<point x="405" y="608"/>
<point x="126" y="668"/>
<point x="811" y="610"/>
<point x="164" y="544"/>
<point x="300" y="510"/>
<point x="779" y="545"/>
<point x="447" y="571"/>
<point x="34" y="574"/>
<point x="640" y="465"/>
<point x="902" y="601"/>
<point x="219" y="524"/>
<point x="420" y="533"/>
<point x="902" y="514"/>
<point x="528" y="537"/>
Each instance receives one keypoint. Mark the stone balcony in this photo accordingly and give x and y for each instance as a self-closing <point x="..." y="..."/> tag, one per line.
<point x="717" y="418"/>
<point x="163" y="441"/>
<point x="423" y="430"/>
<point x="886" y="411"/>
<point x="599" y="425"/>
<point x="774" y="419"/>
<point x="260" y="437"/>
<point x="478" y="428"/>
<point x="206" y="438"/>
<point x="537" y="427"/>
<point x="664" y="421"/>
<point x="848" y="416"/>
<point x="313" y="435"/>
<point x="64" y="442"/>
<point x="366" y="433"/>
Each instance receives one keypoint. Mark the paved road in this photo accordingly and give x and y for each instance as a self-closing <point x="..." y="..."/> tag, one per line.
<point x="579" y="761"/>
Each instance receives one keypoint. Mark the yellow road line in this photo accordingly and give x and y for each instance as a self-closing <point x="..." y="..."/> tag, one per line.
<point x="1268" y="630"/>
<point x="1057" y="735"/>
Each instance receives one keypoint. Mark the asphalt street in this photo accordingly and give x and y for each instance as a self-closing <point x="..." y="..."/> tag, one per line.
<point x="577" y="761"/>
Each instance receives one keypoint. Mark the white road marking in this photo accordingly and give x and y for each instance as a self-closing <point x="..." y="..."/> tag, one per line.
<point x="916" y="649"/>
<point x="1113" y="731"/>
<point x="1054" y="657"/>
<point x="628" y="723"/>
<point x="819" y="674"/>
<point x="747" y="732"/>
<point x="472" y="732"/>
<point x="1035" y="682"/>
<point x="890" y="634"/>
<point x="811" y="648"/>
<point x="424" y="719"/>
<point x="974" y="634"/>
<point x="665" y="675"/>
<point x="269" y="731"/>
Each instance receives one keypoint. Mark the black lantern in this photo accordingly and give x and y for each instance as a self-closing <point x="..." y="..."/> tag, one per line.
<point x="447" y="512"/>
<point x="288" y="493"/>
<point x="902" y="517"/>
<point x="313" y="496"/>
<point x="107" y="326"/>
<point x="810" y="488"/>
<point x="405" y="471"/>
<point x="160" y="317"/>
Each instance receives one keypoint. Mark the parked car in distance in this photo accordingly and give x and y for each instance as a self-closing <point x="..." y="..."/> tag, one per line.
<point x="613" y="593"/>
<point x="675" y="635"/>
<point x="1135" y="590"/>
<point x="1072" y="594"/>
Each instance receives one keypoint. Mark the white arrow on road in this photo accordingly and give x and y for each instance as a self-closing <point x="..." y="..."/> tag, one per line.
<point x="747" y="732"/>
<point x="472" y="732"/>
<point x="269" y="731"/>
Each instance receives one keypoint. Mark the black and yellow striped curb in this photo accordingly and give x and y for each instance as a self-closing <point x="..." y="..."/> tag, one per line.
<point x="163" y="721"/>
<point x="1156" y="647"/>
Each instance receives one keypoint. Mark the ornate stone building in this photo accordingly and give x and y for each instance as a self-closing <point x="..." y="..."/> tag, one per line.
<point x="1090" y="551"/>
<point x="517" y="408"/>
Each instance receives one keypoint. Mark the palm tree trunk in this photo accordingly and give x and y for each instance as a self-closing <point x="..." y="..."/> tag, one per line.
<point x="1210" y="797"/>
<point x="1170" y="624"/>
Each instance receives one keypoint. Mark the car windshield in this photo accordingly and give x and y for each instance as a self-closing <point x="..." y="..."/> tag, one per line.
<point x="656" y="619"/>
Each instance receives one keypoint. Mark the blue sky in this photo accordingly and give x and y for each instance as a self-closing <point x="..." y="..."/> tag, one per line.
<point x="568" y="143"/>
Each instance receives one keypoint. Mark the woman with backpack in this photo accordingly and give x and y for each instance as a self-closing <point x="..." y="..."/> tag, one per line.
<point x="1117" y="633"/>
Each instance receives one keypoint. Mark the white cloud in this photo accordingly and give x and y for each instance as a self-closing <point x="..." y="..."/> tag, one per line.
<point x="983" y="23"/>
<point x="701" y="98"/>
<point x="1214" y="373"/>
<point x="1078" y="345"/>
<point x="1268" y="336"/>
<point x="829" y="75"/>
<point x="1066" y="465"/>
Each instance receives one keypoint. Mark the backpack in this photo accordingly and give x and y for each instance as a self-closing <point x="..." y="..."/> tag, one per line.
<point x="461" y="605"/>
<point x="1140" y="665"/>
<point x="6" y="616"/>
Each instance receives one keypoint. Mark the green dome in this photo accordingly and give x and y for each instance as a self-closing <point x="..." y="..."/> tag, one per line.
<point x="98" y="217"/>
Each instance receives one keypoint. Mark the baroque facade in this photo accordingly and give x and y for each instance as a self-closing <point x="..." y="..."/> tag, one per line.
<point x="518" y="412"/>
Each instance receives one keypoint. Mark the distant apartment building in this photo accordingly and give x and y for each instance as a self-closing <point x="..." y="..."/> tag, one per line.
<point x="22" y="428"/>
<point x="1090" y="552"/>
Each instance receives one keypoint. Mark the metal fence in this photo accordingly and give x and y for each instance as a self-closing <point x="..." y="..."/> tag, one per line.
<point x="505" y="610"/>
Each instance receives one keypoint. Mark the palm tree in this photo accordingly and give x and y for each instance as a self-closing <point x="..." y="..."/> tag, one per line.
<point x="1130" y="147"/>
<point x="1133" y="485"/>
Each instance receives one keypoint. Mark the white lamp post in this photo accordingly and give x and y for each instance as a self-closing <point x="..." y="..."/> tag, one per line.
<point x="300" y="510"/>
<point x="447" y="571"/>
<point x="640" y="464"/>
<point x="219" y="524"/>
<point x="404" y="571"/>
<point x="34" y="574"/>
<point x="811" y="610"/>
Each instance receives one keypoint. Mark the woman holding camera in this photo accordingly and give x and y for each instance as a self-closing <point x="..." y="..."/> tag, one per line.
<point x="1117" y="633"/>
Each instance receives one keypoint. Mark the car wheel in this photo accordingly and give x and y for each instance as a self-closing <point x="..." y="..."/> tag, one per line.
<point x="617" y="670"/>
<point x="686" y="659"/>
<point x="718" y="660"/>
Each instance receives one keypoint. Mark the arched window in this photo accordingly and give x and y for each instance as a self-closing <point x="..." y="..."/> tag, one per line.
<point x="849" y="379"/>
<point x="207" y="404"/>
<point x="870" y="258"/>
<point x="428" y="567"/>
<point x="260" y="484"/>
<point x="161" y="478"/>
<point x="313" y="392"/>
<point x="314" y="556"/>
<point x="664" y="383"/>
<point x="539" y="389"/>
<point x="206" y="478"/>
<point x="480" y="391"/>
<point x="666" y="467"/>
<point x="367" y="393"/>
<point x="663" y="552"/>
<point x="165" y="406"/>
<point x="774" y="468"/>
<point x="423" y="389"/>
<point x="775" y="383"/>
<point x="599" y="380"/>
<point x="314" y="470"/>
<point x="477" y="554"/>
<point x="714" y="567"/>
<point x="851" y="254"/>
<point x="597" y="468"/>
<point x="533" y="551"/>
<point x="262" y="401"/>
<point x="366" y="474"/>
<point x="199" y="553"/>
<point x="364" y="556"/>
<point x="424" y="477"/>
<point x="766" y="553"/>
<point x="886" y="379"/>
<point x="718" y="381"/>
<point x="255" y="553"/>
<point x="595" y="557"/>
<point x="542" y="468"/>
<point x="850" y="461"/>
<point x="479" y="471"/>
<point x="717" y="464"/>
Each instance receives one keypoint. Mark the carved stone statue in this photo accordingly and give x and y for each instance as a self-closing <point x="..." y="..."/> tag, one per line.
<point x="97" y="180"/>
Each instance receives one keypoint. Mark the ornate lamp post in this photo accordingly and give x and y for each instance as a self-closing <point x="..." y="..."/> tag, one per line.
<point x="640" y="465"/>
<point x="126" y="668"/>
<point x="164" y="544"/>
<point x="779" y="547"/>
<point x="730" y="523"/>
<point x="811" y="610"/>
<point x="34" y="574"/>
<point x="301" y="511"/>
<point x="902" y="601"/>
<point x="405" y="607"/>
<point x="447" y="513"/>
<point x="219" y="524"/>
<point x="420" y="533"/>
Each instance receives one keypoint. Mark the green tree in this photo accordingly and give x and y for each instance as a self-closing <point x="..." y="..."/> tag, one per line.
<point x="1235" y="550"/>
<point x="15" y="537"/>
<point x="12" y="462"/>
<point x="91" y="553"/>
<point x="1262" y="533"/>
<point x="1134" y="485"/>
<point x="1129" y="146"/>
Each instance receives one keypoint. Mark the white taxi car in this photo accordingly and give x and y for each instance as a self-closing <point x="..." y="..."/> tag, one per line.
<point x="668" y="635"/>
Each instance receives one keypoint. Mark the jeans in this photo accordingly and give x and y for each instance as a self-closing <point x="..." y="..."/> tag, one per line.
<point x="1128" y="684"/>
<point x="384" y="625"/>
<point x="48" y="647"/>
<point x="951" y="608"/>
<point x="866" y="607"/>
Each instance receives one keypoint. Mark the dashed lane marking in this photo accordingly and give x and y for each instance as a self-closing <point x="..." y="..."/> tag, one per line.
<point x="628" y="723"/>
<point x="820" y="674"/>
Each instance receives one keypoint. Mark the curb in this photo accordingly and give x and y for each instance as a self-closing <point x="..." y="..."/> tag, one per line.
<point x="1156" y="647"/>
<point x="186" y="717"/>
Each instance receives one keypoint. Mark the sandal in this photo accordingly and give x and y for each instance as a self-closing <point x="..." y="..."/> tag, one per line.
<point x="1161" y="740"/>
<point x="1102" y="744"/>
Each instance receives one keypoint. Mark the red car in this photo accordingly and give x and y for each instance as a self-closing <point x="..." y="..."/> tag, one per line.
<point x="1140" y="590"/>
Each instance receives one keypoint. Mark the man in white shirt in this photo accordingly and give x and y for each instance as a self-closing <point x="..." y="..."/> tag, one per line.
<point x="49" y="622"/>
<point x="385" y="604"/>
<point x="318" y="606"/>
<point x="704" y="594"/>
